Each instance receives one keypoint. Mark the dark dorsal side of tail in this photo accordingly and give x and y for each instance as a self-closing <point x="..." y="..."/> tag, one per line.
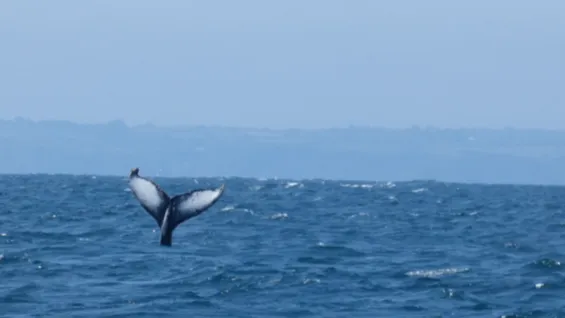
<point x="167" y="237"/>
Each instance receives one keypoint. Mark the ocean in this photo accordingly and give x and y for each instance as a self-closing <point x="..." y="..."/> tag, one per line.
<point x="82" y="246"/>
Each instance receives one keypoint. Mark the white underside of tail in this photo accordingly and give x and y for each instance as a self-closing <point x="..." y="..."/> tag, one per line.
<point x="199" y="200"/>
<point x="146" y="192"/>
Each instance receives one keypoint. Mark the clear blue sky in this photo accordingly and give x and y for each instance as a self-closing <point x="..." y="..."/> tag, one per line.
<point x="278" y="64"/>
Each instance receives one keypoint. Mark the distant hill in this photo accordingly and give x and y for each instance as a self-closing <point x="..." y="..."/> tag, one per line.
<point x="464" y="155"/>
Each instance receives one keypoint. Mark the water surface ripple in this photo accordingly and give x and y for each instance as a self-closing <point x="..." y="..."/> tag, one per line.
<point x="81" y="246"/>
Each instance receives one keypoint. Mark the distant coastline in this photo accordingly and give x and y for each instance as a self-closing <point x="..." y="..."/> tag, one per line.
<point x="470" y="155"/>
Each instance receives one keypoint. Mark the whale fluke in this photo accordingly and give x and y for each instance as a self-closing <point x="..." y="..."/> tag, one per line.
<point x="171" y="212"/>
<point x="151" y="197"/>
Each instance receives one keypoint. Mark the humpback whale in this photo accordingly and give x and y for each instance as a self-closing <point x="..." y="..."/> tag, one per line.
<point x="171" y="212"/>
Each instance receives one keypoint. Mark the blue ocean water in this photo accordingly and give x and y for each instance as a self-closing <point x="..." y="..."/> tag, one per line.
<point x="81" y="246"/>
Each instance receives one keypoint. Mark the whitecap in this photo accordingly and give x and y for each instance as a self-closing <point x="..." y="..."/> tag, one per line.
<point x="419" y="190"/>
<point x="293" y="184"/>
<point x="356" y="185"/>
<point x="228" y="208"/>
<point x="388" y="185"/>
<point x="437" y="272"/>
<point x="279" y="216"/>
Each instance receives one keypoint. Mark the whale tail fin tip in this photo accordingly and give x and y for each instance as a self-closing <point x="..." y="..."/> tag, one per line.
<point x="193" y="203"/>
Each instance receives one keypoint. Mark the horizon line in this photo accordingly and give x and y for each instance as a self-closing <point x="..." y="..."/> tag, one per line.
<point x="120" y="121"/>
<point x="376" y="182"/>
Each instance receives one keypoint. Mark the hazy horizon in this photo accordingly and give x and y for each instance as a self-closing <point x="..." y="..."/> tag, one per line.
<point x="514" y="156"/>
<point x="482" y="82"/>
<point x="220" y="126"/>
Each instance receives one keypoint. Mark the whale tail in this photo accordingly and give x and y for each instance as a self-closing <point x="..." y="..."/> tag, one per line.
<point x="171" y="212"/>
<point x="166" y="238"/>
<point x="151" y="197"/>
<point x="186" y="206"/>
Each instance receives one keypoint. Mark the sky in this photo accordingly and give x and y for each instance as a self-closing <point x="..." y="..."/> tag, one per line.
<point x="285" y="64"/>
